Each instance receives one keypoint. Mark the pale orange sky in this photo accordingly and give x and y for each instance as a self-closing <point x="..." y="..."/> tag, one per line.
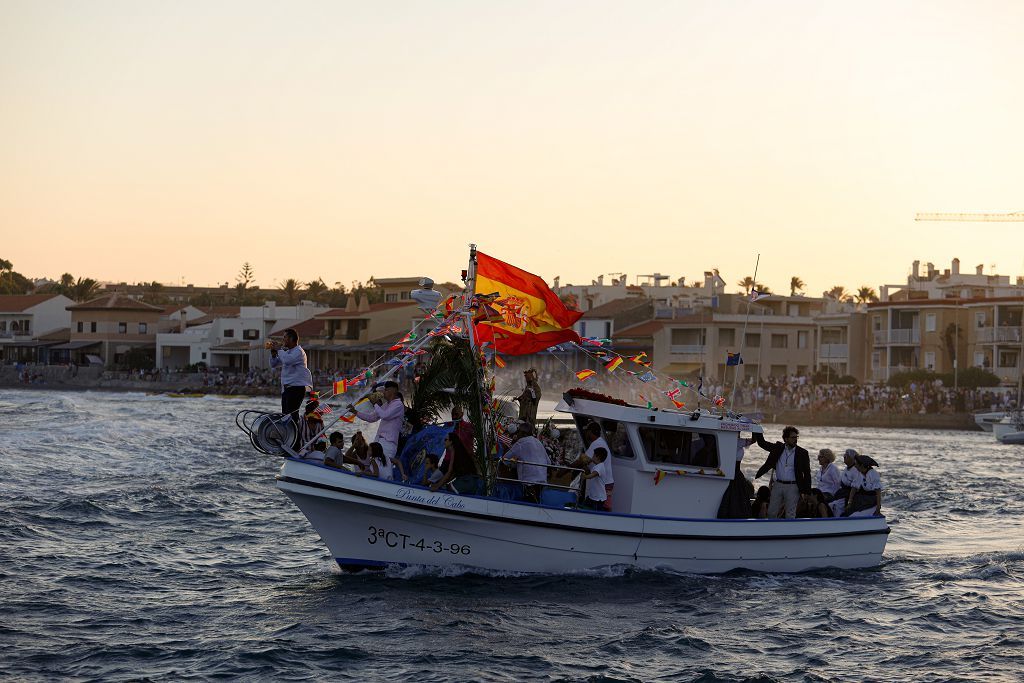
<point x="144" y="140"/>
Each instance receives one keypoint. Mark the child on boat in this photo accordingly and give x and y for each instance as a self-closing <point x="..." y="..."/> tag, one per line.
<point x="596" y="494"/>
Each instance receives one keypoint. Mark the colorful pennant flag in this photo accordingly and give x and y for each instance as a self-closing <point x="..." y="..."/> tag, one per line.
<point x="719" y="400"/>
<point x="340" y="387"/>
<point x="641" y="359"/>
<point x="756" y="294"/>
<point x="678" y="404"/>
<point x="672" y="393"/>
<point x="499" y="361"/>
<point x="584" y="375"/>
<point x="647" y="377"/>
<point x="323" y="410"/>
<point x="611" y="365"/>
<point x="658" y="476"/>
<point x="734" y="359"/>
<point x="347" y="418"/>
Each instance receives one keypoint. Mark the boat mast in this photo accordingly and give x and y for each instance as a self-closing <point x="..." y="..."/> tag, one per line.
<point x="482" y="430"/>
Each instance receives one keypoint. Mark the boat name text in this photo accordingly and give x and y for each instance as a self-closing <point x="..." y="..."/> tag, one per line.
<point x="442" y="499"/>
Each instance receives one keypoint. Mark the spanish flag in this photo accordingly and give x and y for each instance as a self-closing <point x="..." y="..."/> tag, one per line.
<point x="533" y="317"/>
<point x="583" y="375"/>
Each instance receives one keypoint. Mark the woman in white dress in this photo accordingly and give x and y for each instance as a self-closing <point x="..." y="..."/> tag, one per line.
<point x="829" y="480"/>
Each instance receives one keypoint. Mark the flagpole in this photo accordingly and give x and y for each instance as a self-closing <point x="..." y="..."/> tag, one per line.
<point x="760" y="354"/>
<point x="474" y="349"/>
<point x="743" y="337"/>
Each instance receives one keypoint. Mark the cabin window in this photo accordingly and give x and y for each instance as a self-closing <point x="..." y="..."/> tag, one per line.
<point x="122" y="328"/>
<point x="250" y="333"/>
<point x="229" y="333"/>
<point x="676" y="447"/>
<point x="617" y="436"/>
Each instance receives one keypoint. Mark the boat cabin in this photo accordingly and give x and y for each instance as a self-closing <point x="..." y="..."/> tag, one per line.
<point x="695" y="452"/>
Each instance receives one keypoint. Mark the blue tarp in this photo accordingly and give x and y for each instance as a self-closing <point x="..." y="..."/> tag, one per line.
<point x="430" y="439"/>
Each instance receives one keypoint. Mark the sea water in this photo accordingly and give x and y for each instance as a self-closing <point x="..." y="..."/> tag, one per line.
<point x="141" y="537"/>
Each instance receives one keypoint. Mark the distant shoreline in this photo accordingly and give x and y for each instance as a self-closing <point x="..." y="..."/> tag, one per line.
<point x="800" y="418"/>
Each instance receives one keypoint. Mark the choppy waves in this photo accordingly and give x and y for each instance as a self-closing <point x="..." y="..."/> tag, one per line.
<point x="140" y="537"/>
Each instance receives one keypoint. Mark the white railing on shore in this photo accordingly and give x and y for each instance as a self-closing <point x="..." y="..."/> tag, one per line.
<point x="988" y="335"/>
<point x="908" y="336"/>
<point x="827" y="351"/>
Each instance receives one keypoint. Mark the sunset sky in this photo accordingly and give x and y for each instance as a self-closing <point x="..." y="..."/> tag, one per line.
<point x="173" y="141"/>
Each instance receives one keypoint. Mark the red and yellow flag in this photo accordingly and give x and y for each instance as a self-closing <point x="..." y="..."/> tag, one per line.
<point x="584" y="375"/>
<point x="533" y="317"/>
<point x="612" y="364"/>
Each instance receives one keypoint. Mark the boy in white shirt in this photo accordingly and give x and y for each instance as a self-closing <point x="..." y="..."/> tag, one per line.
<point x="594" y="475"/>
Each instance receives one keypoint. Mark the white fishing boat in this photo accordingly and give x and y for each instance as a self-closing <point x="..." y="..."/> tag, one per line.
<point x="671" y="471"/>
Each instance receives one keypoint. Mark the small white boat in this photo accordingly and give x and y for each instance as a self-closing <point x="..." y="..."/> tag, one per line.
<point x="666" y="524"/>
<point x="986" y="421"/>
<point x="1010" y="429"/>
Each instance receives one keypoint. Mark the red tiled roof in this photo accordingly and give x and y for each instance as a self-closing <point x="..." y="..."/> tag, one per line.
<point x="644" y="329"/>
<point x="342" y="313"/>
<point x="616" y="306"/>
<point x="314" y="327"/>
<point x="115" y="302"/>
<point x="219" y="311"/>
<point x="16" y="303"/>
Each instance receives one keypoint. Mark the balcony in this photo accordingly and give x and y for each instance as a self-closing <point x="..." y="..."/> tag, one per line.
<point x="826" y="351"/>
<point x="905" y="336"/>
<point x="990" y="335"/>
<point x="691" y="349"/>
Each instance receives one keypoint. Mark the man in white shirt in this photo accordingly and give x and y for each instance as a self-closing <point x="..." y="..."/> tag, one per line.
<point x="531" y="459"/>
<point x="296" y="379"/>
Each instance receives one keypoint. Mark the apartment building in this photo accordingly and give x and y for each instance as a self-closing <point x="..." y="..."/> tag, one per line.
<point x="939" y="321"/>
<point x="110" y="327"/>
<point x="777" y="336"/>
<point x="994" y="336"/>
<point x="31" y="324"/>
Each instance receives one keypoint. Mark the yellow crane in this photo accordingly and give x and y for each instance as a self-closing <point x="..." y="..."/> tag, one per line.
<point x="972" y="217"/>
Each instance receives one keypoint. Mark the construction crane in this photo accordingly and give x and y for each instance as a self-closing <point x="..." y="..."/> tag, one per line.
<point x="972" y="217"/>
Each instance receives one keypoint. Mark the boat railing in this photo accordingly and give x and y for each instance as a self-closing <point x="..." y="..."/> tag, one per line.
<point x="578" y="489"/>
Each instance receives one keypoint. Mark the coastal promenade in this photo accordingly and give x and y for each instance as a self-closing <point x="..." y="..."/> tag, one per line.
<point x="97" y="379"/>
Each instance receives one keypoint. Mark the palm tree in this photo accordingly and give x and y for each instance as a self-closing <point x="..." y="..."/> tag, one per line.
<point x="747" y="283"/>
<point x="290" y="291"/>
<point x="795" y="285"/>
<point x="85" y="289"/>
<point x="839" y="293"/>
<point x="315" y="289"/>
<point x="866" y="294"/>
<point x="450" y="378"/>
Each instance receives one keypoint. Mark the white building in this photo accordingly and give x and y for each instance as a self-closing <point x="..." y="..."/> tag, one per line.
<point x="228" y="337"/>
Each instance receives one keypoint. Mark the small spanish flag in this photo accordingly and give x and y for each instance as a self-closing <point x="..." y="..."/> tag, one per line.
<point x="658" y="476"/>
<point x="584" y="375"/>
<point x="340" y="387"/>
<point x="347" y="418"/>
<point x="641" y="359"/>
<point x="499" y="361"/>
<point x="613" y="363"/>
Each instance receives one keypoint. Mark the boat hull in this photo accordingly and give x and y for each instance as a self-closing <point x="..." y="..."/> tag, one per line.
<point x="367" y="522"/>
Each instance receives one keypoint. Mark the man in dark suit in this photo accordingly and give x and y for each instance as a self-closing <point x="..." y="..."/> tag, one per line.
<point x="792" y="467"/>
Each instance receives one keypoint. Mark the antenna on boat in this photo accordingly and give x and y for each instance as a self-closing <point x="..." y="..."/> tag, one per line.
<point x="743" y="336"/>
